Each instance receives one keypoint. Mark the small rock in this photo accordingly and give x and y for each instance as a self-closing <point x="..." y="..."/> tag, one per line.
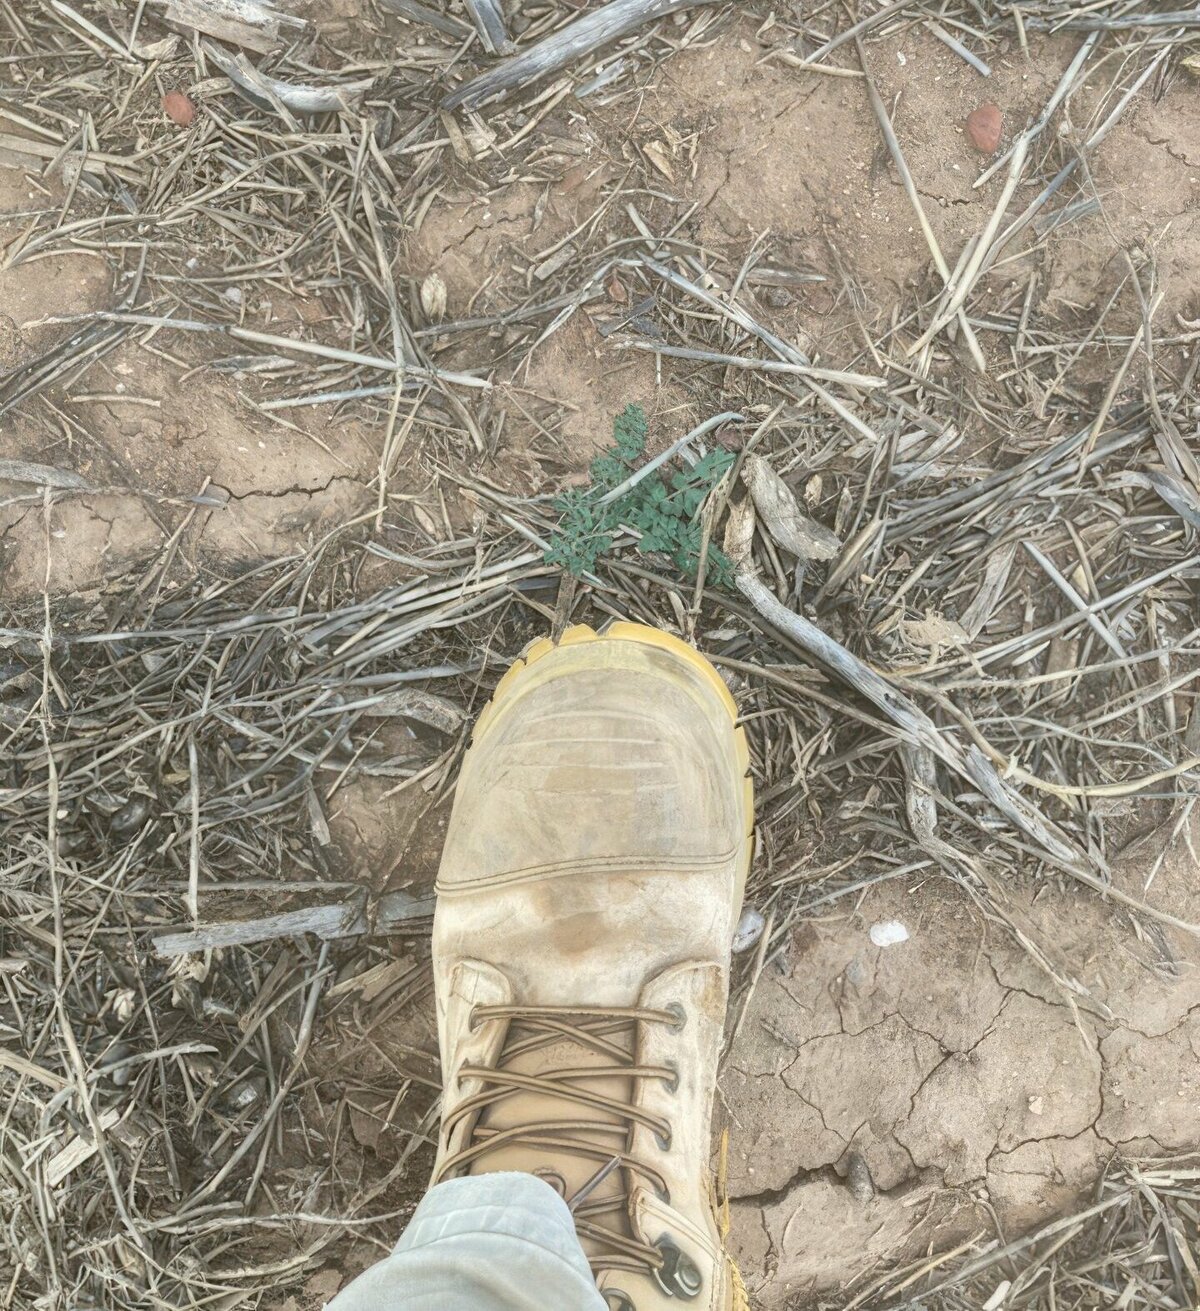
<point x="887" y="933"/>
<point x="116" y="1054"/>
<point x="71" y="841"/>
<point x="749" y="930"/>
<point x="1036" y="1106"/>
<point x="858" y="1178"/>
<point x="984" y="126"/>
<point x="244" y="1093"/>
<point x="179" y="108"/>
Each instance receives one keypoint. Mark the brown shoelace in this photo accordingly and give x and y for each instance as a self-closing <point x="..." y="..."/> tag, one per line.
<point x="595" y="1029"/>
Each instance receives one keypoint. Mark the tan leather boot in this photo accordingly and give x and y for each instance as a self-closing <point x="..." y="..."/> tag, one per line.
<point x="590" y="885"/>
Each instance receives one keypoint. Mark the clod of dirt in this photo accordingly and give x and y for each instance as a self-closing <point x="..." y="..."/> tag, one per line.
<point x="179" y="108"/>
<point x="984" y="126"/>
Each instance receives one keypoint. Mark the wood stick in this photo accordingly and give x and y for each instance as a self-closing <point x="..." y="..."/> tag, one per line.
<point x="251" y="24"/>
<point x="959" y="49"/>
<point x="571" y="42"/>
<point x="734" y="312"/>
<point x="1066" y="82"/>
<point x="419" y="13"/>
<point x="957" y="290"/>
<point x="847" y="379"/>
<point x="488" y="18"/>
<point x="299" y="97"/>
<point x="916" y="727"/>
<point x="44" y="475"/>
<point x="914" y="199"/>
<point x="863" y="25"/>
<point x="345" y="919"/>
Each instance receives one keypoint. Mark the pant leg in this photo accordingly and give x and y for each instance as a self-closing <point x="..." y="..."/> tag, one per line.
<point x="489" y="1242"/>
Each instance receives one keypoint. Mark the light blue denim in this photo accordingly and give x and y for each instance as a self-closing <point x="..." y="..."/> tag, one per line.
<point x="489" y="1242"/>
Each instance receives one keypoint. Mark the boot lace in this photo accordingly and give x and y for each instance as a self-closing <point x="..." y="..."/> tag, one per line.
<point x="610" y="1032"/>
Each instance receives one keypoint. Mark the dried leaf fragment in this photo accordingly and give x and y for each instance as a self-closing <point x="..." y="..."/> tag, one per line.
<point x="787" y="523"/>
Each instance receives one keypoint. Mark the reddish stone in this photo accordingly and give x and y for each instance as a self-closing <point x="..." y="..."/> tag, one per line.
<point x="984" y="126"/>
<point x="179" y="108"/>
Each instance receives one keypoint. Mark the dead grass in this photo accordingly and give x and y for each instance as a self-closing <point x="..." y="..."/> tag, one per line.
<point x="1134" y="1246"/>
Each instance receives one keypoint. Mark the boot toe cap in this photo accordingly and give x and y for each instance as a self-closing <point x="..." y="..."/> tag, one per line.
<point x="612" y="751"/>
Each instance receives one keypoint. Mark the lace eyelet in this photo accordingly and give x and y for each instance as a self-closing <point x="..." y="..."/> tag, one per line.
<point x="663" y="1140"/>
<point x="671" y="1084"/>
<point x="680" y="1276"/>
<point x="679" y="1014"/>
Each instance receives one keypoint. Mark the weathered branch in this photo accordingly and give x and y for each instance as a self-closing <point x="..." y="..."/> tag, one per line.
<point x="342" y="920"/>
<point x="488" y="18"/>
<point x="569" y="43"/>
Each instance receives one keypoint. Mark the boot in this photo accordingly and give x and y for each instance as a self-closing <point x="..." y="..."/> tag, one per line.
<point x="591" y="881"/>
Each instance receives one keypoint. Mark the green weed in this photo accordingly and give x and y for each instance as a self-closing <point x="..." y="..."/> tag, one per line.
<point x="663" y="509"/>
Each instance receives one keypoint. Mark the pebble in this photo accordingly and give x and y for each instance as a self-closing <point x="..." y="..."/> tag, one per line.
<point x="115" y="1055"/>
<point x="984" y="126"/>
<point x="749" y="930"/>
<point x="888" y="933"/>
<point x="179" y="108"/>
<point x="858" y="1178"/>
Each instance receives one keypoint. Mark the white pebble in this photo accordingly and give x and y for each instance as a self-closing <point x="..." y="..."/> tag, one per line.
<point x="887" y="933"/>
<point x="749" y="930"/>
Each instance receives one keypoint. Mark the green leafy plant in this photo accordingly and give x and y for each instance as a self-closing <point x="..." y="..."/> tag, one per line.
<point x="664" y="510"/>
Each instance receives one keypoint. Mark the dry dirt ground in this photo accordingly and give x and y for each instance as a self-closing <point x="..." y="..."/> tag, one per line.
<point x="963" y="1079"/>
<point x="882" y="1102"/>
<point x="759" y="150"/>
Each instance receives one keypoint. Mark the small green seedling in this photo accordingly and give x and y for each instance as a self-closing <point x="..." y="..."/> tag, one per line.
<point x="663" y="510"/>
